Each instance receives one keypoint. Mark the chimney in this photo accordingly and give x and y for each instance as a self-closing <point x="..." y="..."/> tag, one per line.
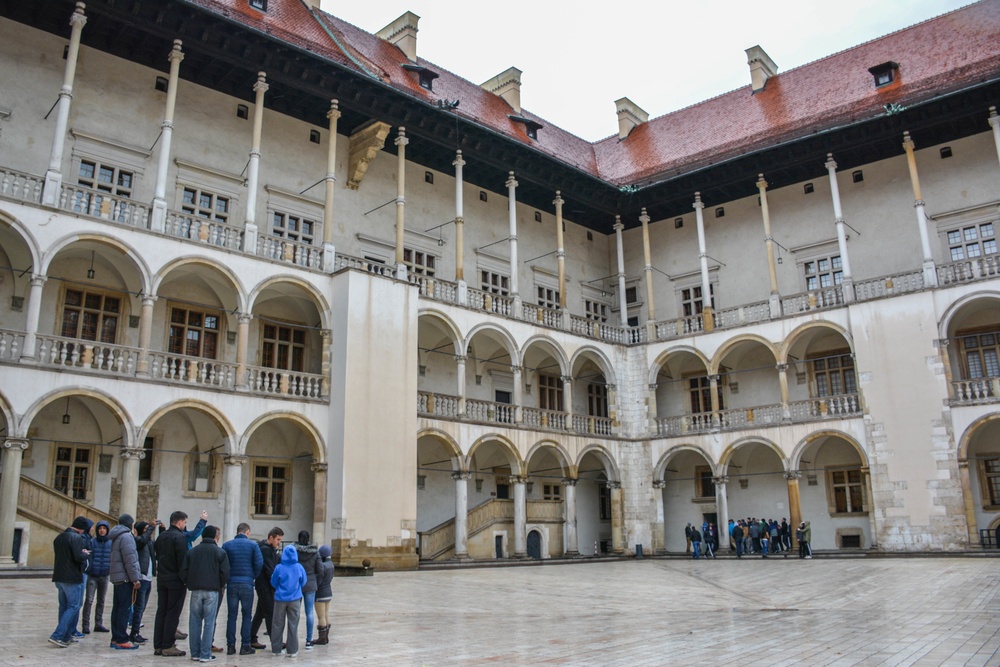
<point x="312" y="4"/>
<point x="762" y="67"/>
<point x="629" y="116"/>
<point x="403" y="33"/>
<point x="508" y="86"/>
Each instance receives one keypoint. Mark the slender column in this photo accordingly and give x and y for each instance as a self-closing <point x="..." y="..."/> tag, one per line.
<point x="648" y="267"/>
<point x="520" y="517"/>
<point x="560" y="250"/>
<point x="772" y="271"/>
<point x="707" y="311"/>
<point x="930" y="272"/>
<point x="232" y="475"/>
<point x="572" y="541"/>
<point x="518" y="393"/>
<point x="401" y="142"/>
<point x="253" y="167"/>
<point x="794" y="507"/>
<point x="722" y="503"/>
<point x="461" y="514"/>
<point x="994" y="121"/>
<point x="459" y="219"/>
<point x="659" y="526"/>
<point x="967" y="498"/>
<point x="866" y="475"/>
<point x="512" y="224"/>
<point x="786" y="412"/>
<point x="713" y="387"/>
<point x="145" y="334"/>
<point x="34" y="312"/>
<point x="567" y="384"/>
<point x="329" y="251"/>
<point x="10" y="484"/>
<point x="319" y="501"/>
<point x="159" y="217"/>
<point x="622" y="302"/>
<point x="460" y="370"/>
<point x="242" y="343"/>
<point x="53" y="176"/>
<point x="130" y="479"/>
<point x="617" y="518"/>
<point x="327" y="359"/>
<point x="838" y="215"/>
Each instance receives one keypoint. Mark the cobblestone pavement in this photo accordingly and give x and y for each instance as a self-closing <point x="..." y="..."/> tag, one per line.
<point x="916" y="611"/>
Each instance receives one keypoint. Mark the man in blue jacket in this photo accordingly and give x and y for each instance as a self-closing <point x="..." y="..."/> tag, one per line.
<point x="245" y="563"/>
<point x="97" y="578"/>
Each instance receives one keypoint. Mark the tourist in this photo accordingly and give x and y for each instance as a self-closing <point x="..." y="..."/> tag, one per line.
<point x="270" y="549"/>
<point x="171" y="547"/>
<point x="124" y="577"/>
<point x="308" y="559"/>
<point x="738" y="539"/>
<point x="324" y="593"/>
<point x="97" y="578"/>
<point x="205" y="572"/>
<point x="245" y="563"/>
<point x="147" y="569"/>
<point x="288" y="579"/>
<point x="69" y="559"/>
<point x="687" y="536"/>
<point x="695" y="542"/>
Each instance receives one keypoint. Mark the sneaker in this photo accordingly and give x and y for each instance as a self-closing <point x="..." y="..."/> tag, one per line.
<point x="195" y="658"/>
<point x="78" y="635"/>
<point x="173" y="652"/>
<point x="210" y="658"/>
<point x="100" y="628"/>
<point x="180" y="635"/>
<point x="138" y="639"/>
<point x="125" y="646"/>
<point x="246" y="650"/>
<point x="231" y="650"/>
<point x="309" y="645"/>
<point x="291" y="655"/>
<point x="257" y="645"/>
<point x="58" y="642"/>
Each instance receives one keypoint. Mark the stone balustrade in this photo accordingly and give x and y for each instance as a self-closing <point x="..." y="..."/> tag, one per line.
<point x="348" y="262"/>
<point x="178" y="368"/>
<point x="546" y="317"/>
<point x="11" y="344"/>
<point x="828" y="407"/>
<point x="434" y="288"/>
<point x="56" y="351"/>
<point x="203" y="230"/>
<point x="99" y="204"/>
<point x="20" y="186"/>
<point x="492" y="303"/>
<point x="271" y="381"/>
<point x="290" y="252"/>
<point x="819" y="299"/>
<point x="544" y="419"/>
<point x="972" y="392"/>
<point x="488" y="411"/>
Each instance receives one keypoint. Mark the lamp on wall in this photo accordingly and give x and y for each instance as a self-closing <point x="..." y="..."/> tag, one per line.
<point x="479" y="485"/>
<point x="65" y="417"/>
<point x="90" y="271"/>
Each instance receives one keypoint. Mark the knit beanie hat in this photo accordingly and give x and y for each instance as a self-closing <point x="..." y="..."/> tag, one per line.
<point x="80" y="523"/>
<point x="140" y="527"/>
<point x="325" y="551"/>
<point x="126" y="520"/>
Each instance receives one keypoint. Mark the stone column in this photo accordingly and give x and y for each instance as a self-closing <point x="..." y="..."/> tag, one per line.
<point x="659" y="527"/>
<point x="34" y="312"/>
<point x="622" y="301"/>
<point x="401" y="142"/>
<point x="130" y="479"/>
<point x="969" y="504"/>
<point x="327" y="360"/>
<point x="242" y="343"/>
<point x="794" y="507"/>
<point x="567" y="383"/>
<point x="772" y="271"/>
<point x="329" y="250"/>
<point x="320" y="486"/>
<point x="560" y="250"/>
<point x="53" y="175"/>
<point x="520" y="517"/>
<point x="232" y="475"/>
<point x="253" y="167"/>
<point x="930" y="271"/>
<point x="572" y="542"/>
<point x="461" y="514"/>
<point x="838" y="216"/>
<point x="158" y="220"/>
<point x="648" y="271"/>
<point x="707" y="310"/>
<point x="994" y="121"/>
<point x="512" y="225"/>
<point x="713" y="387"/>
<point x="10" y="484"/>
<point x="866" y="475"/>
<point x="617" y="518"/>
<point x="460" y="370"/>
<point x="722" y="503"/>
<point x="145" y="335"/>
<point x="518" y="393"/>
<point x="786" y="411"/>
<point x="463" y="287"/>
<point x="651" y="410"/>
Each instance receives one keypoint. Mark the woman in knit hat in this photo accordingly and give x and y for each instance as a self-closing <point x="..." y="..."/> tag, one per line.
<point x="324" y="593"/>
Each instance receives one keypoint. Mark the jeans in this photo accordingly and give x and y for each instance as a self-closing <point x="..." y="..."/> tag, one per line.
<point x="70" y="599"/>
<point x="739" y="548"/>
<point x="121" y="611"/>
<point x="97" y="587"/>
<point x="141" y="596"/>
<point x="763" y="548"/>
<point x="286" y="611"/>
<point x="239" y="595"/>
<point x="201" y="623"/>
<point x="696" y="548"/>
<point x="310" y="600"/>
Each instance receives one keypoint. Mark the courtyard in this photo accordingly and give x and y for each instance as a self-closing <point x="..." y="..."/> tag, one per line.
<point x="874" y="611"/>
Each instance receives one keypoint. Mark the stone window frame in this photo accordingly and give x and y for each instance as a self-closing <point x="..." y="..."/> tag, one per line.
<point x="122" y="315"/>
<point x="210" y="181"/>
<point x="963" y="358"/>
<point x="966" y="218"/>
<point x="691" y="280"/>
<point x="91" y="466"/>
<point x="812" y="254"/>
<point x="831" y="501"/>
<point x="220" y="352"/>
<point x="699" y="484"/>
<point x="288" y="481"/>
<point x="825" y="356"/>
<point x="109" y="152"/>
<point x="292" y="205"/>
<point x="214" y="475"/>
<point x="983" y="476"/>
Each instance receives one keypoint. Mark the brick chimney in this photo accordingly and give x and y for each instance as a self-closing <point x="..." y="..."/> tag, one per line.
<point x="762" y="67"/>
<point x="508" y="86"/>
<point x="630" y="116"/>
<point x="403" y="33"/>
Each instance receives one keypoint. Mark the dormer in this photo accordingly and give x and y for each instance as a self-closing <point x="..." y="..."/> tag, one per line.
<point x="403" y="33"/>
<point x="531" y="127"/>
<point x="762" y="68"/>
<point x="425" y="76"/>
<point x="507" y="85"/>
<point x="885" y="73"/>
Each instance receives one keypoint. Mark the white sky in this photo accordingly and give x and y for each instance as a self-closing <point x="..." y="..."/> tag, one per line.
<point x="578" y="58"/>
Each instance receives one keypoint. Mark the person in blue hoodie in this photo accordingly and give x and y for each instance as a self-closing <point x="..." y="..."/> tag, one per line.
<point x="288" y="579"/>
<point x="97" y="578"/>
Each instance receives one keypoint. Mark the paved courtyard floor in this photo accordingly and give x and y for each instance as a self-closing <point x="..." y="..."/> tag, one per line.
<point x="919" y="611"/>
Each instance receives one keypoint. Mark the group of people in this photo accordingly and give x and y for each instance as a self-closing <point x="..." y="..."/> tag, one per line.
<point x="130" y="555"/>
<point x="749" y="536"/>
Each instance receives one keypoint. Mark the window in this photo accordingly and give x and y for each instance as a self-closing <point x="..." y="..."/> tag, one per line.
<point x="597" y="400"/>
<point x="847" y="495"/>
<point x="146" y="464"/>
<point x="972" y="242"/>
<point x="503" y="487"/>
<point x="205" y="204"/>
<point x="631" y="295"/>
<point x="429" y="177"/>
<point x="808" y="188"/>
<point x="161" y="84"/>
<point x="548" y="297"/>
<point x="104" y="178"/>
<point x="550" y="392"/>
<point x="704" y="486"/>
<point x="834" y="375"/>
<point x="858" y="176"/>
<point x="259" y="4"/>
<point x="242" y="111"/>
<point x="72" y="471"/>
<point x="604" y="501"/>
<point x="678" y="223"/>
<point x="691" y="301"/>
<point x="293" y="227"/>
<point x="193" y="333"/>
<point x="823" y="273"/>
<point x="494" y="283"/>
<point x="538" y="216"/>
<point x="482" y="195"/>
<point x="945" y="152"/>
<point x="884" y="74"/>
<point x="271" y="489"/>
<point x="989" y="479"/>
<point x="552" y="492"/>
<point x="419" y="262"/>
<point x="720" y="212"/>
<point x="90" y="316"/>
<point x="595" y="310"/>
<point x="980" y="355"/>
<point x="283" y="347"/>
<point x="700" y="389"/>
<point x="314" y="136"/>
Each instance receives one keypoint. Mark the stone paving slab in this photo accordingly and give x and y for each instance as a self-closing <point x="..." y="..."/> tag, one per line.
<point x="747" y="613"/>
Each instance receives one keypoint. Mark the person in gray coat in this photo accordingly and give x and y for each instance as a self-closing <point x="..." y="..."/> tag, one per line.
<point x="126" y="579"/>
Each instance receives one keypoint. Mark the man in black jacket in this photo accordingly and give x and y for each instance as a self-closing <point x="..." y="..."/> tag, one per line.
<point x="69" y="557"/>
<point x="171" y="547"/>
<point x="205" y="571"/>
<point x="270" y="549"/>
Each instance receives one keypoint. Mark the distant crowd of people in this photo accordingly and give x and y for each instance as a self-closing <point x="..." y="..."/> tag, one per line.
<point x="750" y="536"/>
<point x="131" y="555"/>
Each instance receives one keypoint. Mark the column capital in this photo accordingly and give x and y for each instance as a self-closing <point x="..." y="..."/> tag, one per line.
<point x="244" y="318"/>
<point x="15" y="443"/>
<point x="761" y="183"/>
<point x="463" y="475"/>
<point x="78" y="17"/>
<point x="566" y="378"/>
<point x="458" y="162"/>
<point x="132" y="453"/>
<point x="460" y="358"/>
<point x="558" y="201"/>
<point x="611" y="387"/>
<point x="37" y="279"/>
<point x="994" y="119"/>
<point x="401" y="139"/>
<point x="721" y="480"/>
<point x="644" y="216"/>
<point x="618" y="226"/>
<point x="326" y="335"/>
<point x="697" y="201"/>
<point x="613" y="484"/>
<point x="659" y="483"/>
<point x="653" y="386"/>
<point x="908" y="144"/>
<point x="334" y="112"/>
<point x="781" y="368"/>
<point x="830" y="163"/>
<point x="515" y="369"/>
<point x="570" y="481"/>
<point x="919" y="203"/>
<point x="319" y="466"/>
<point x="510" y="182"/>
<point x="261" y="85"/>
<point x="234" y="459"/>
<point x="175" y="52"/>
<point x="793" y="474"/>
<point x="518" y="479"/>
<point x="714" y="378"/>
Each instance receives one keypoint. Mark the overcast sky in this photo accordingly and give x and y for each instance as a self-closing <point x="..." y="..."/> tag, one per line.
<point x="578" y="58"/>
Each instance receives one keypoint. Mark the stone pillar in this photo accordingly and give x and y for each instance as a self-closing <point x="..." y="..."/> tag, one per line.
<point x="329" y="250"/>
<point x="622" y="301"/>
<point x="461" y="514"/>
<point x="617" y="518"/>
<point x="10" y="484"/>
<point x="253" y="167"/>
<point x="130" y="479"/>
<point x="327" y="359"/>
<point x="460" y="370"/>
<point x="158" y="220"/>
<point x="838" y="215"/>
<point x="572" y="542"/>
<point x="518" y="393"/>
<point x="794" y="507"/>
<point x="994" y="121"/>
<point x="930" y="271"/>
<point x="242" y="343"/>
<point x="560" y="250"/>
<point x="520" y="517"/>
<point x="648" y="271"/>
<point x="707" y="310"/>
<point x="722" y="503"/>
<point x="53" y="175"/>
<point x="659" y="526"/>
<point x="512" y="225"/>
<point x="232" y="475"/>
<point x="320" y="486"/>
<point x="34" y="312"/>
<point x="401" y="142"/>
<point x="460" y="226"/>
<point x="969" y="503"/>
<point x="866" y="475"/>
<point x="772" y="271"/>
<point x="786" y="411"/>
<point x="651" y="410"/>
<point x="145" y="334"/>
<point x="567" y="383"/>
<point x="713" y="387"/>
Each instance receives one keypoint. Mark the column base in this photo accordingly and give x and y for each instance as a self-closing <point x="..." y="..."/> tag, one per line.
<point x="930" y="274"/>
<point x="461" y="557"/>
<point x="8" y="564"/>
<point x="158" y="218"/>
<point x="774" y="305"/>
<point x="52" y="189"/>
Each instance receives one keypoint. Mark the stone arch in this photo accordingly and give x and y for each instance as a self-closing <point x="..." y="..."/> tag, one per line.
<point x="447" y="325"/>
<point x="727" y="454"/>
<point x="600" y="359"/>
<point x="25" y="234"/>
<point x="610" y="465"/>
<point x="795" y="458"/>
<point x="665" y="355"/>
<point x="970" y="431"/>
<point x="116" y="408"/>
<point x="208" y="409"/>
<point x="10" y="421"/>
<point x="517" y="466"/>
<point x="802" y="330"/>
<point x="450" y="445"/>
<point x="506" y="340"/>
<point x="322" y="305"/>
<point x="235" y="283"/>
<point x="307" y="427"/>
<point x="736" y="341"/>
<point x="557" y="352"/>
<point x="945" y="324"/>
<point x="145" y="274"/>
<point x="560" y="454"/>
<point x="661" y="466"/>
